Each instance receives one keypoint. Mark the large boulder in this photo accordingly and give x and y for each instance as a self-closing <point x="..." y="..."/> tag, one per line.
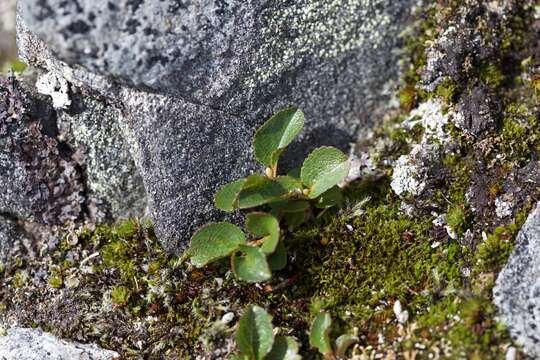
<point x="194" y="79"/>
<point x="517" y="290"/>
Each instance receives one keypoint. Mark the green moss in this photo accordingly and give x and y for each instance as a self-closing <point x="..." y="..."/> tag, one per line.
<point x="20" y="279"/>
<point x="495" y="250"/>
<point x="120" y="295"/>
<point x="56" y="281"/>
<point x="520" y="134"/>
<point x="386" y="256"/>
<point x="448" y="90"/>
<point x="407" y="98"/>
<point x="457" y="219"/>
<point x="492" y="75"/>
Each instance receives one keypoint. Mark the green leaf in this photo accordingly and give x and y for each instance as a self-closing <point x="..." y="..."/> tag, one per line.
<point x="290" y="184"/>
<point x="259" y="190"/>
<point x="294" y="173"/>
<point x="254" y="336"/>
<point x="278" y="260"/>
<point x="213" y="242"/>
<point x="251" y="265"/>
<point x="276" y="134"/>
<point x="324" y="168"/>
<point x="239" y="357"/>
<point x="343" y="343"/>
<point x="264" y="226"/>
<point x="294" y="219"/>
<point x="290" y="206"/>
<point x="285" y="348"/>
<point x="330" y="198"/>
<point x="227" y="196"/>
<point x="318" y="335"/>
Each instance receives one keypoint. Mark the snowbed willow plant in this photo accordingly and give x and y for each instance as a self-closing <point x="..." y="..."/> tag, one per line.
<point x="256" y="341"/>
<point x="290" y="199"/>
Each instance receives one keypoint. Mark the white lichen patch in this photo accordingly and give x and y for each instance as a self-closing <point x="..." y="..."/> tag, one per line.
<point x="317" y="29"/>
<point x="431" y="117"/>
<point x="411" y="172"/>
<point x="56" y="87"/>
<point x="503" y="208"/>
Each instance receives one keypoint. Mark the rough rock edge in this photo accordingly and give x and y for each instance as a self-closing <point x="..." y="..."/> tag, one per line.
<point x="517" y="289"/>
<point x="34" y="344"/>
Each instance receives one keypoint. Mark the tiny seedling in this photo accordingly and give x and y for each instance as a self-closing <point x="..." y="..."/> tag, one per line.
<point x="319" y="338"/>
<point x="256" y="341"/>
<point x="290" y="199"/>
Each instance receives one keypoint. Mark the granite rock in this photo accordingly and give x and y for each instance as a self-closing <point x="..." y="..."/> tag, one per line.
<point x="517" y="289"/>
<point x="193" y="80"/>
<point x="40" y="181"/>
<point x="34" y="344"/>
<point x="12" y="239"/>
<point x="114" y="187"/>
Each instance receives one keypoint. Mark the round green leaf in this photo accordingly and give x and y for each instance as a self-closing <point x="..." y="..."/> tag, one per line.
<point x="318" y="335"/>
<point x="290" y="206"/>
<point x="294" y="219"/>
<point x="259" y="190"/>
<point x="278" y="259"/>
<point x="250" y="264"/>
<point x="276" y="134"/>
<point x="254" y="336"/>
<point x="330" y="198"/>
<point x="290" y="184"/>
<point x="264" y="226"/>
<point x="227" y="196"/>
<point x="324" y="168"/>
<point x="213" y="242"/>
<point x="285" y="348"/>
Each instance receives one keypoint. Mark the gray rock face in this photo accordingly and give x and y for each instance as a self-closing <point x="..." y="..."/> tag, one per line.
<point x="517" y="290"/>
<point x="34" y="344"/>
<point x="113" y="183"/>
<point x="39" y="181"/>
<point x="12" y="236"/>
<point x="58" y="168"/>
<point x="194" y="79"/>
<point x="232" y="55"/>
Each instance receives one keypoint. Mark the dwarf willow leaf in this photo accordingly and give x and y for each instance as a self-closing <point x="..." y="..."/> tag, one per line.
<point x="324" y="168"/>
<point x="249" y="264"/>
<point x="254" y="336"/>
<point x="318" y="335"/>
<point x="258" y="190"/>
<point x="213" y="242"/>
<point x="343" y="343"/>
<point x="290" y="184"/>
<point x="290" y="206"/>
<point x="278" y="259"/>
<point x="329" y="198"/>
<point x="274" y="135"/>
<point x="239" y="357"/>
<point x="285" y="348"/>
<point x="294" y="219"/>
<point x="227" y="196"/>
<point x="264" y="226"/>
